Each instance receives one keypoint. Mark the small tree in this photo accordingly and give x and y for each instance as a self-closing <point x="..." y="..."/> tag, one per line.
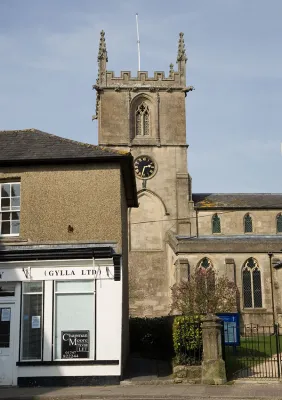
<point x="205" y="292"/>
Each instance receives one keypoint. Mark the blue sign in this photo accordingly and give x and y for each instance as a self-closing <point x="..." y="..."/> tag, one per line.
<point x="231" y="328"/>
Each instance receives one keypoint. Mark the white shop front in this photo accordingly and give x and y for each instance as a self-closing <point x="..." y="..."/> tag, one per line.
<point x="60" y="318"/>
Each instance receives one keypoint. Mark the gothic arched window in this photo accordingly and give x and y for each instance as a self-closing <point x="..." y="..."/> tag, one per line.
<point x="205" y="263"/>
<point x="251" y="280"/>
<point x="205" y="278"/>
<point x="248" y="223"/>
<point x="142" y="120"/>
<point x="279" y="223"/>
<point x="216" y="224"/>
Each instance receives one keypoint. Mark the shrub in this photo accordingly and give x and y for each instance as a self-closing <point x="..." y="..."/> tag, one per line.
<point x="187" y="340"/>
<point x="204" y="293"/>
<point x="151" y="337"/>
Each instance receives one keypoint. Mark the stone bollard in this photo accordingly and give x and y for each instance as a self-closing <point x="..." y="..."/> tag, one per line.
<point x="213" y="366"/>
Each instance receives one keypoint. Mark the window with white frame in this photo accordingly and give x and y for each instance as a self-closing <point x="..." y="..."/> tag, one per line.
<point x="10" y="209"/>
<point x="74" y="320"/>
<point x="32" y="318"/>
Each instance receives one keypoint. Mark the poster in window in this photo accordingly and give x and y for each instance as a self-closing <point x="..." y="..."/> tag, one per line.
<point x="75" y="344"/>
<point x="35" y="322"/>
<point x="5" y="314"/>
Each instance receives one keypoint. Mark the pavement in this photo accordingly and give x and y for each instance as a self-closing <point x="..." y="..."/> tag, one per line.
<point x="151" y="379"/>
<point x="242" y="391"/>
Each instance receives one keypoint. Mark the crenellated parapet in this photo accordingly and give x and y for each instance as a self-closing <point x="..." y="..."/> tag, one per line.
<point x="143" y="79"/>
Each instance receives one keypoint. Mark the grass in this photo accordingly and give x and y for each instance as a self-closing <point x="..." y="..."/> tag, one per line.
<point x="252" y="351"/>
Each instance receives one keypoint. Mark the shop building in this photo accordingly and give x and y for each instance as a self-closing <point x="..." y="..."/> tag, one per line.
<point x="63" y="260"/>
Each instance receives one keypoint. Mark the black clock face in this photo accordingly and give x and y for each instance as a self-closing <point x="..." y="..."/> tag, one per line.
<point x="145" y="167"/>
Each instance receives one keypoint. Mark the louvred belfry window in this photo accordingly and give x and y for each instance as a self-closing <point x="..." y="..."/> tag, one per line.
<point x="251" y="281"/>
<point x="142" y="120"/>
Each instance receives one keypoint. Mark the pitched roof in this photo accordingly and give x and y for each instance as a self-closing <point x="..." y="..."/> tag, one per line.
<point x="32" y="144"/>
<point x="237" y="200"/>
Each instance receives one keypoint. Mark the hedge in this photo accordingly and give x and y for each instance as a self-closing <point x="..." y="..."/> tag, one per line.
<point x="187" y="340"/>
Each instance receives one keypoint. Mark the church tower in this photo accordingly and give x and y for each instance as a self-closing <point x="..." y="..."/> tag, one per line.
<point x="146" y="115"/>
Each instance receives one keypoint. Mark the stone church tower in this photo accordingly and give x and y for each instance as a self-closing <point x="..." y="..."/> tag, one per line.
<point x="146" y="115"/>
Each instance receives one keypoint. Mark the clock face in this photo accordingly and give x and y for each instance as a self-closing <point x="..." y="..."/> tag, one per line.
<point x="145" y="168"/>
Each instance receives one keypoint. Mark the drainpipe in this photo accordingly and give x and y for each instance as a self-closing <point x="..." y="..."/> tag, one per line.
<point x="197" y="224"/>
<point x="270" y="255"/>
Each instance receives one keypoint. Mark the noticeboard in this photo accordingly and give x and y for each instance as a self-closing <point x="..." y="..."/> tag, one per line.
<point x="231" y="328"/>
<point x="75" y="344"/>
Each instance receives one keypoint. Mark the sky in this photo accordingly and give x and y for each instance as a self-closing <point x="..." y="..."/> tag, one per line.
<point x="48" y="64"/>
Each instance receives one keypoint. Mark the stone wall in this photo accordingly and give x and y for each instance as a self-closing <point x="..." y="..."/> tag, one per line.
<point x="232" y="222"/>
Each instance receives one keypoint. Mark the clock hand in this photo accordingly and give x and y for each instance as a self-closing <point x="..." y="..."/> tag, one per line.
<point x="146" y="166"/>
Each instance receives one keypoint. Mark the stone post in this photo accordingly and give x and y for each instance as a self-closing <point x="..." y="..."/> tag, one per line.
<point x="213" y="366"/>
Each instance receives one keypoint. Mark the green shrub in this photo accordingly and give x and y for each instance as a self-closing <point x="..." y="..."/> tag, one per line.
<point x="187" y="340"/>
<point x="151" y="337"/>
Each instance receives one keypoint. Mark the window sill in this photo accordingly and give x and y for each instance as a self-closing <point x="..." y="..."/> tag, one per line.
<point x="11" y="239"/>
<point x="255" y="311"/>
<point x="71" y="362"/>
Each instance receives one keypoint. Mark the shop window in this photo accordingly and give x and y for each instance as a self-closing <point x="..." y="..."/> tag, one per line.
<point x="32" y="318"/>
<point x="74" y="320"/>
<point x="216" y="228"/>
<point x="252" y="292"/>
<point x="10" y="209"/>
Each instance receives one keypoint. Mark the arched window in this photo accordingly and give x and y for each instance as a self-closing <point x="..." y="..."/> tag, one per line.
<point x="251" y="277"/>
<point x="216" y="224"/>
<point x="279" y="223"/>
<point x="205" y="279"/>
<point x="205" y="263"/>
<point x="248" y="223"/>
<point x="142" y="120"/>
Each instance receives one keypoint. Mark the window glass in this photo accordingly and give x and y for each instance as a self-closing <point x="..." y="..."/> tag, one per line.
<point x="216" y="228"/>
<point x="74" y="318"/>
<point x="10" y="201"/>
<point x="247" y="288"/>
<point x="7" y="289"/>
<point x="248" y="223"/>
<point x="5" y="318"/>
<point x="74" y="286"/>
<point x="29" y="287"/>
<point x="32" y="317"/>
<point x="279" y="223"/>
<point x="252" y="290"/>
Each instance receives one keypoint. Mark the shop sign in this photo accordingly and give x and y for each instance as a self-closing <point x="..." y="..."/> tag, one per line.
<point x="56" y="273"/>
<point x="75" y="344"/>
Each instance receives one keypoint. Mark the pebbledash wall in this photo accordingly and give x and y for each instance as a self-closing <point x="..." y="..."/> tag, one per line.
<point x="64" y="326"/>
